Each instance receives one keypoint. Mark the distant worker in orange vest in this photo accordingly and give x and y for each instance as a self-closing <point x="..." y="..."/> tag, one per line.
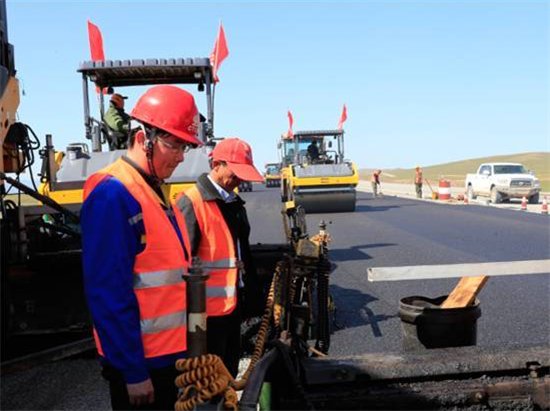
<point x="218" y="232"/>
<point x="133" y="269"/>
<point x="375" y="182"/>
<point x="418" y="180"/>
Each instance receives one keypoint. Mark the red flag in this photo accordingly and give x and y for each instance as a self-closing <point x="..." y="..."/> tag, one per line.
<point x="96" y="45"/>
<point x="219" y="53"/>
<point x="343" y="118"/>
<point x="96" y="42"/>
<point x="290" y="123"/>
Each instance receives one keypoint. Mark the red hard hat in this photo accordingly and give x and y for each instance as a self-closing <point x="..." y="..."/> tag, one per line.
<point x="238" y="156"/>
<point x="170" y="109"/>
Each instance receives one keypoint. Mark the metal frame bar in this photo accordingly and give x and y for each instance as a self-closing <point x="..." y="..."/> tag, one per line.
<point x="422" y="272"/>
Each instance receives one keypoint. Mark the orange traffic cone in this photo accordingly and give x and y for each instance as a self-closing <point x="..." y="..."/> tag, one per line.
<point x="544" y="209"/>
<point x="465" y="198"/>
<point x="524" y="204"/>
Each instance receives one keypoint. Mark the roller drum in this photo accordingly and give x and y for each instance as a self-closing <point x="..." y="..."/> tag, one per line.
<point x="326" y="201"/>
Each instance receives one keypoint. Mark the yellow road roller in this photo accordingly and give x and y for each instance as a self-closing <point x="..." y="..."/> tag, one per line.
<point x="272" y="175"/>
<point x="315" y="174"/>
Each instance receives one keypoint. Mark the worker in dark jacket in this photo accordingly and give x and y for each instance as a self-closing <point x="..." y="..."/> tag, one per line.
<point x="134" y="255"/>
<point x="218" y="230"/>
<point x="313" y="151"/>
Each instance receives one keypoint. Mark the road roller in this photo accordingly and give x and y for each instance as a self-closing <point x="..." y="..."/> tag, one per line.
<point x="315" y="173"/>
<point x="272" y="175"/>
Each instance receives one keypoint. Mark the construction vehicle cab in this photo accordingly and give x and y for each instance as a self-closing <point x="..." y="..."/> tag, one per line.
<point x="315" y="173"/>
<point x="65" y="173"/>
<point x="272" y="175"/>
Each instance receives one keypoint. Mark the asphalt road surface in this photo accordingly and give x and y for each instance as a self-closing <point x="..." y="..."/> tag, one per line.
<point x="388" y="231"/>
<point x="392" y="231"/>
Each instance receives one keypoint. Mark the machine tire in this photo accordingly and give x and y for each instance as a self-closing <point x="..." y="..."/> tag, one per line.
<point x="470" y="193"/>
<point x="534" y="199"/>
<point x="496" y="197"/>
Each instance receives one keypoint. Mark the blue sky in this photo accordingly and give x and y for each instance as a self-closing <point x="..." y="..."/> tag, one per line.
<point x="425" y="82"/>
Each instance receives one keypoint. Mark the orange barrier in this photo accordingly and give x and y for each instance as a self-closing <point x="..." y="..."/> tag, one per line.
<point x="524" y="204"/>
<point x="444" y="189"/>
<point x="544" y="209"/>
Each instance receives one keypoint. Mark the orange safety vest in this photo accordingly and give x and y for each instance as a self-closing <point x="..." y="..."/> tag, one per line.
<point x="217" y="253"/>
<point x="158" y="282"/>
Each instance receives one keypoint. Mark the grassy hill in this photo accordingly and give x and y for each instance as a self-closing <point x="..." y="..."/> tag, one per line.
<point x="456" y="171"/>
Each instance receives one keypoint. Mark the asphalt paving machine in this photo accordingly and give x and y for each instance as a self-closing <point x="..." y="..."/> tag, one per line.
<point x="272" y="175"/>
<point x="42" y="293"/>
<point x="325" y="182"/>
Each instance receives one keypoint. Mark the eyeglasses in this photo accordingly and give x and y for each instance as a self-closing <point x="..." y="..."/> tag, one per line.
<point x="174" y="147"/>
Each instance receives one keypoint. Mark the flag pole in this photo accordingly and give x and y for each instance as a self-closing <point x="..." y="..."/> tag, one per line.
<point x="213" y="99"/>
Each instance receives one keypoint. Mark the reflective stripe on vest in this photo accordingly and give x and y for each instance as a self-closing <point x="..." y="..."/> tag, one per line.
<point x="163" y="322"/>
<point x="135" y="219"/>
<point x="223" y="263"/>
<point x="158" y="284"/>
<point x="217" y="253"/>
<point x="226" y="292"/>
<point x="158" y="278"/>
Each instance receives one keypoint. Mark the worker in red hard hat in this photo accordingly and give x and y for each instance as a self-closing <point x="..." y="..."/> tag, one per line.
<point x="218" y="232"/>
<point x="168" y="122"/>
<point x="134" y="254"/>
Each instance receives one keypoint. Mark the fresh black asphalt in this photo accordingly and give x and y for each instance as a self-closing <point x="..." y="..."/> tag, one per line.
<point x="392" y="231"/>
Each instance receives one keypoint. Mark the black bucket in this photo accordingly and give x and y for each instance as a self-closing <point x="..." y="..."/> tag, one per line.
<point x="426" y="325"/>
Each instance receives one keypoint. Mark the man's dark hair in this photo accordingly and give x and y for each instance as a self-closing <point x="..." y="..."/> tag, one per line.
<point x="133" y="132"/>
<point x="132" y="137"/>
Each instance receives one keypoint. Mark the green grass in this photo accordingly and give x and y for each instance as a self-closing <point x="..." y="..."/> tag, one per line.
<point x="456" y="171"/>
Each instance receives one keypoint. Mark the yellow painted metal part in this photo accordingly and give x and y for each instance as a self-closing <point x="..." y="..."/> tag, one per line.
<point x="294" y="181"/>
<point x="171" y="191"/>
<point x="8" y="106"/>
<point x="9" y="102"/>
<point x="63" y="197"/>
<point x="289" y="205"/>
<point x="75" y="196"/>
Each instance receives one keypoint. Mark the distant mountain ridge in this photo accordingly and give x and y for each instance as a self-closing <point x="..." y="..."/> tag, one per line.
<point x="538" y="162"/>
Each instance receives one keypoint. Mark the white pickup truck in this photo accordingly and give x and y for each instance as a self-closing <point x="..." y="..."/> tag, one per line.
<point x="503" y="181"/>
